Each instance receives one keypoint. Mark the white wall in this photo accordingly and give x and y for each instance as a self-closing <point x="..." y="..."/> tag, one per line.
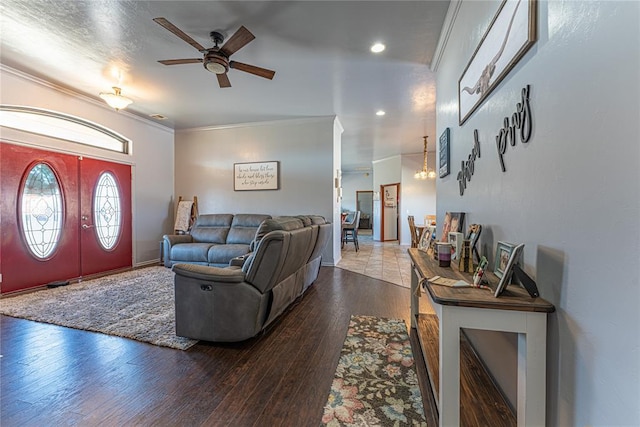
<point x="304" y="148"/>
<point x="417" y="196"/>
<point x="385" y="171"/>
<point x="352" y="182"/>
<point x="151" y="157"/>
<point x="572" y="195"/>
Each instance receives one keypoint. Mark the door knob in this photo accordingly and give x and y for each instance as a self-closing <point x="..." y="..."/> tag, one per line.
<point x="86" y="226"/>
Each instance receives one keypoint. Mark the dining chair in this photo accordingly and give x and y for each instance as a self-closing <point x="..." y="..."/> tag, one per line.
<point x="350" y="231"/>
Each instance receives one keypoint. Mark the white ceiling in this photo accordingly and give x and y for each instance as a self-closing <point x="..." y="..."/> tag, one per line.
<point x="319" y="50"/>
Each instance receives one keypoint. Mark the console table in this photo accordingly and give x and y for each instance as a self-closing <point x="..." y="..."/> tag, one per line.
<point x="475" y="308"/>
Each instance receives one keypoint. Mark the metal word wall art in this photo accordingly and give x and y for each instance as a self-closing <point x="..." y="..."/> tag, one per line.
<point x="520" y="121"/>
<point x="467" y="167"/>
<point x="519" y="125"/>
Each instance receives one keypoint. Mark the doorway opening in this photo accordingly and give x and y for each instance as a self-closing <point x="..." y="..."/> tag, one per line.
<point x="364" y="204"/>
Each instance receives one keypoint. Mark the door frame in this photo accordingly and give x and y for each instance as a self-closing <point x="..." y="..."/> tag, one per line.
<point x="382" y="236"/>
<point x="372" y="201"/>
<point x="41" y="143"/>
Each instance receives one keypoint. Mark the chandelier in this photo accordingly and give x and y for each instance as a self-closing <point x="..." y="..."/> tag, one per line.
<point x="425" y="173"/>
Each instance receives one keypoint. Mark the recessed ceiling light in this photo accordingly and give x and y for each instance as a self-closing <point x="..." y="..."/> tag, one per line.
<point x="380" y="113"/>
<point x="377" y="48"/>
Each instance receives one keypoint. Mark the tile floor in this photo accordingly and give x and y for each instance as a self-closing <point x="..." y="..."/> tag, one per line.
<point x="388" y="261"/>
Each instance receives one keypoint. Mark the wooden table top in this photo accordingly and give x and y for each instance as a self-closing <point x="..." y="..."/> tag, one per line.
<point x="514" y="297"/>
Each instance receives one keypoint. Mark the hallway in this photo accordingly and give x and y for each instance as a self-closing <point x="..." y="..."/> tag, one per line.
<point x="387" y="261"/>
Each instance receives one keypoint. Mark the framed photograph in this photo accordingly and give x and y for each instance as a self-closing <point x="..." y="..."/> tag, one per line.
<point x="453" y="221"/>
<point x="473" y="234"/>
<point x="444" y="153"/>
<point x="256" y="176"/>
<point x="510" y="35"/>
<point x="503" y="253"/>
<point x="514" y="258"/>
<point x="456" y="239"/>
<point x="425" y="240"/>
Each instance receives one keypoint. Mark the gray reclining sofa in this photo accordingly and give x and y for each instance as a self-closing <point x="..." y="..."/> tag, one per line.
<point x="236" y="303"/>
<point x="215" y="240"/>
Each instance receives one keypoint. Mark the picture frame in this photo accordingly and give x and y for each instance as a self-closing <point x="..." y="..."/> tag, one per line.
<point x="453" y="221"/>
<point x="425" y="240"/>
<point x="445" y="152"/>
<point x="510" y="35"/>
<point x="473" y="235"/>
<point x="256" y="176"/>
<point x="514" y="258"/>
<point x="456" y="239"/>
<point x="503" y="253"/>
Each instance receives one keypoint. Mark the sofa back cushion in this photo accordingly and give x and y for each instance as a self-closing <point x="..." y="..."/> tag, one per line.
<point x="211" y="228"/>
<point x="243" y="228"/>
<point x="285" y="223"/>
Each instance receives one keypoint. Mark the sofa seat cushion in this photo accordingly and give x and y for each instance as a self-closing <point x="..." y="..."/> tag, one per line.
<point x="190" y="252"/>
<point x="222" y="254"/>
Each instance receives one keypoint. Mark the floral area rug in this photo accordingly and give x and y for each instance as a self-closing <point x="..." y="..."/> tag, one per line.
<point x="375" y="383"/>
<point x="137" y="304"/>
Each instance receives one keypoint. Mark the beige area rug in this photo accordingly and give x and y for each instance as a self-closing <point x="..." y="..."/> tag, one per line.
<point x="375" y="383"/>
<point x="386" y="261"/>
<point x="137" y="304"/>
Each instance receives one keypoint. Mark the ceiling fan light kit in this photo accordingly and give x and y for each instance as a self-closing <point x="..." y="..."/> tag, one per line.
<point x="115" y="99"/>
<point x="216" y="58"/>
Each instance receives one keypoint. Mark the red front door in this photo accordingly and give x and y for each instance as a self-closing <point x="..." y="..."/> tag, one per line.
<point x="105" y="222"/>
<point x="44" y="197"/>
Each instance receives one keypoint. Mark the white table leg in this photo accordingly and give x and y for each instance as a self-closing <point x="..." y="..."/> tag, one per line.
<point x="415" y="301"/>
<point x="532" y="360"/>
<point x="449" y="399"/>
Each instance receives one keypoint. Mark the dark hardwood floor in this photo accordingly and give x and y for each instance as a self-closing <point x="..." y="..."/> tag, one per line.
<point x="51" y="375"/>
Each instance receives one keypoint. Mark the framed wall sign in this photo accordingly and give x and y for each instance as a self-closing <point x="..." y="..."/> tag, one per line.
<point x="510" y="35"/>
<point x="444" y="153"/>
<point x="256" y="176"/>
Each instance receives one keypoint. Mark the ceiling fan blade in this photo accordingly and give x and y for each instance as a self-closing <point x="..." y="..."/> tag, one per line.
<point x="223" y="80"/>
<point x="237" y="41"/>
<point x="178" y="32"/>
<point x="180" y="61"/>
<point x="261" y="72"/>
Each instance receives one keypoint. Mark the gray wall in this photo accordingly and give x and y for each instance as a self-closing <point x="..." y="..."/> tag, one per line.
<point x="572" y="195"/>
<point x="352" y="182"/>
<point x="304" y="148"/>
<point x="151" y="158"/>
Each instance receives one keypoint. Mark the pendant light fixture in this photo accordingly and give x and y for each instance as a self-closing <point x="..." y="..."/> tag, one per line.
<point x="425" y="173"/>
<point x="115" y="99"/>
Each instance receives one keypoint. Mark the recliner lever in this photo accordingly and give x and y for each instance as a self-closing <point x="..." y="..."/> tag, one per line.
<point x="206" y="287"/>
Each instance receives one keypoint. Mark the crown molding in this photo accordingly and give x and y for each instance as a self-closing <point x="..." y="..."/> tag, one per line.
<point x="447" y="27"/>
<point x="315" y="119"/>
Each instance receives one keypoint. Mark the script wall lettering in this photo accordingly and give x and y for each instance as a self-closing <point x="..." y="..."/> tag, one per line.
<point x="520" y="125"/>
<point x="467" y="167"/>
<point x="520" y="121"/>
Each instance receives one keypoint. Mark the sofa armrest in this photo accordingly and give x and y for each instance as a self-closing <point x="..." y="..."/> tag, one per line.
<point x="238" y="261"/>
<point x="211" y="274"/>
<point x="172" y="239"/>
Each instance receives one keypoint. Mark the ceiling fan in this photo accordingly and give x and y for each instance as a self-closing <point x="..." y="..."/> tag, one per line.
<point x="216" y="58"/>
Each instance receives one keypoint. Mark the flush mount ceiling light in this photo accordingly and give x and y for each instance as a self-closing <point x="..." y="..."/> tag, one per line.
<point x="115" y="99"/>
<point x="425" y="173"/>
<point x="377" y="47"/>
<point x="380" y="113"/>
